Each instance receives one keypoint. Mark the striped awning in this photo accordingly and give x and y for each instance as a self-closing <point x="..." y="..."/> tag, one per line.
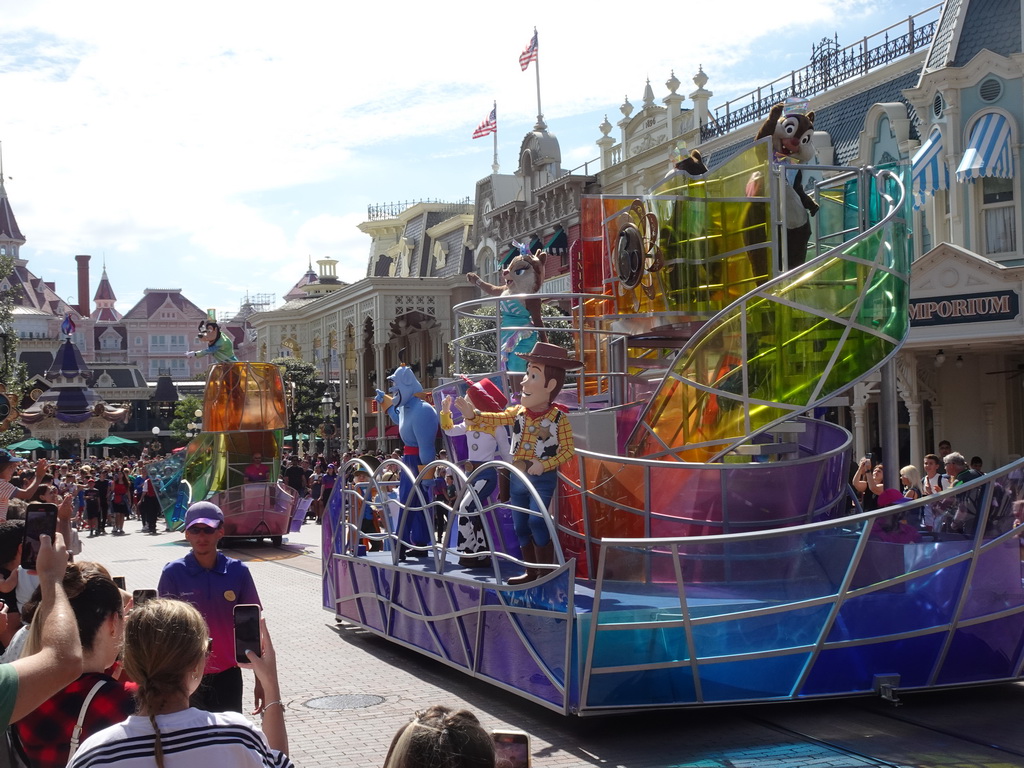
<point x="929" y="172"/>
<point x="558" y="244"/>
<point x="988" y="152"/>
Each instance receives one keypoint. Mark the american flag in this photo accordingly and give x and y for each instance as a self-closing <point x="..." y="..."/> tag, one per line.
<point x="489" y="125"/>
<point x="530" y="53"/>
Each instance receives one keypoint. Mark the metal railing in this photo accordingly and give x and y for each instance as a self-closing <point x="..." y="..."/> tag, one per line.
<point x="382" y="211"/>
<point x="830" y="66"/>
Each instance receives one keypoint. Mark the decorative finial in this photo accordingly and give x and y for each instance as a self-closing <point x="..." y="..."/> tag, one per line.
<point x="672" y="83"/>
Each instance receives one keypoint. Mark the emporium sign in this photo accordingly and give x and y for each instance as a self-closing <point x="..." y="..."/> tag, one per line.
<point x="968" y="308"/>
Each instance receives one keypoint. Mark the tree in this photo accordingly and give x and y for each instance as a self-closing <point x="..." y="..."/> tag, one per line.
<point x="478" y="337"/>
<point x="185" y="414"/>
<point x="13" y="374"/>
<point x="304" y="408"/>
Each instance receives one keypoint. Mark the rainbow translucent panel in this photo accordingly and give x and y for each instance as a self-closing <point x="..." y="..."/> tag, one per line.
<point x="787" y="345"/>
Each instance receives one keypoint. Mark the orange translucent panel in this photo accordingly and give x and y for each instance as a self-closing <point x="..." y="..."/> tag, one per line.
<point x="244" y="396"/>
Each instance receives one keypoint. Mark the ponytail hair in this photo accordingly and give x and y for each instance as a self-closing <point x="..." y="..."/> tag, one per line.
<point x="164" y="640"/>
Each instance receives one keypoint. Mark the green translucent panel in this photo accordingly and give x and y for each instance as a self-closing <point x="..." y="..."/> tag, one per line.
<point x="708" y="230"/>
<point x="788" y="346"/>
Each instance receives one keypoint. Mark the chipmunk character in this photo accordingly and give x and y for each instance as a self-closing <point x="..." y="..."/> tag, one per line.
<point x="692" y="163"/>
<point x="791" y="128"/>
<point x="523" y="275"/>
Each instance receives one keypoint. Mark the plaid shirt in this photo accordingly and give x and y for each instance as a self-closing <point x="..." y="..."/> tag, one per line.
<point x="46" y="732"/>
<point x="544" y="436"/>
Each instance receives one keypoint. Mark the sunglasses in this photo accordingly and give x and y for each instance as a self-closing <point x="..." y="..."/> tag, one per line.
<point x="204" y="529"/>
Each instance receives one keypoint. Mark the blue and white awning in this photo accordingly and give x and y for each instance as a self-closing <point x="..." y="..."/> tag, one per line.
<point x="929" y="172"/>
<point x="988" y="152"/>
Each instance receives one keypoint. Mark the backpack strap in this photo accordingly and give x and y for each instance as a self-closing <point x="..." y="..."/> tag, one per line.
<point x="77" y="732"/>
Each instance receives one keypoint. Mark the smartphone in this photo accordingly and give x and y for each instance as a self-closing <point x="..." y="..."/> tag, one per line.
<point x="139" y="596"/>
<point x="40" y="520"/>
<point x="511" y="749"/>
<point x="247" y="632"/>
<point x="119" y="580"/>
<point x="870" y="457"/>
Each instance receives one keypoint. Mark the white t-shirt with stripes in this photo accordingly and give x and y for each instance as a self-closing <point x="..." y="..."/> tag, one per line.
<point x="189" y="738"/>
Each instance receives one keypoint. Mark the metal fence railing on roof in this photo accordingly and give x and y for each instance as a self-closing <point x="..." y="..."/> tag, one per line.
<point x="383" y="211"/>
<point x="830" y="65"/>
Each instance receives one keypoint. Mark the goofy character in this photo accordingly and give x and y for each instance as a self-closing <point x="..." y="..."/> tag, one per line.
<point x="217" y="344"/>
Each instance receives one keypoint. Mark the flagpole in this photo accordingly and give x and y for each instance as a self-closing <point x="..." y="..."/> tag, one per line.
<point x="540" y="113"/>
<point x="494" y="165"/>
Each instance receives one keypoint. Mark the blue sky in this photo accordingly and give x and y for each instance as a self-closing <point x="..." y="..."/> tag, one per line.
<point x="217" y="146"/>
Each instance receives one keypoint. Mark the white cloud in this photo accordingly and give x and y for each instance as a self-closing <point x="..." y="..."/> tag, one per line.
<point x="190" y="140"/>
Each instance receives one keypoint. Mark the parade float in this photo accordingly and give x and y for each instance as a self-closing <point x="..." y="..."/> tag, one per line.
<point x="244" y="414"/>
<point x="708" y="547"/>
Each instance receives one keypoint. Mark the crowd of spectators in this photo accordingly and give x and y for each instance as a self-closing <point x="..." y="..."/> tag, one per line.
<point x="941" y="471"/>
<point x="87" y="678"/>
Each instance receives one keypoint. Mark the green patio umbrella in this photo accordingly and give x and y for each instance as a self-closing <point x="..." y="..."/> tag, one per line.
<point x="32" y="444"/>
<point x="112" y="440"/>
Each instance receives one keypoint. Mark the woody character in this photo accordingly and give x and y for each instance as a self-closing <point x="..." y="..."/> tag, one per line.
<point x="541" y="443"/>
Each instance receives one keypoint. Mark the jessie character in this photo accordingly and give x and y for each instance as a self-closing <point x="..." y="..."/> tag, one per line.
<point x="484" y="443"/>
<point x="217" y="344"/>
<point x="541" y="443"/>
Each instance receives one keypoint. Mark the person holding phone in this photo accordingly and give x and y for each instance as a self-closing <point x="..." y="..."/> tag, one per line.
<point x="8" y="464"/>
<point x="438" y="737"/>
<point x="214" y="583"/>
<point x="47" y="733"/>
<point x="166" y="644"/>
<point x="33" y="678"/>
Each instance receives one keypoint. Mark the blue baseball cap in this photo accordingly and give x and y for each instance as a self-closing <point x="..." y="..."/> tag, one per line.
<point x="6" y="457"/>
<point x="204" y="513"/>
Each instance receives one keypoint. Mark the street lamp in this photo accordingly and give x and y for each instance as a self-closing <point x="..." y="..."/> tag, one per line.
<point x="353" y="419"/>
<point x="327" y="405"/>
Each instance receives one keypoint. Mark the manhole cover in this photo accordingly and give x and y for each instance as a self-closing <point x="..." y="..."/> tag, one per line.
<point x="345" y="701"/>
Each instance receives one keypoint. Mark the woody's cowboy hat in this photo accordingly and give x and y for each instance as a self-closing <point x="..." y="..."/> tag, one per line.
<point x="485" y="395"/>
<point x="544" y="353"/>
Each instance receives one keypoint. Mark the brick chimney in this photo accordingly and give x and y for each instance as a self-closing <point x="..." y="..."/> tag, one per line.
<point x="83" y="284"/>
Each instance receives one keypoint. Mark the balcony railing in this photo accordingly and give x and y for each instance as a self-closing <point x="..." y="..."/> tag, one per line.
<point x="383" y="211"/>
<point x="830" y="65"/>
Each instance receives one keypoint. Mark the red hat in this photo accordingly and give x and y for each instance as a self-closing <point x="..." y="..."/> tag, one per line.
<point x="485" y="395"/>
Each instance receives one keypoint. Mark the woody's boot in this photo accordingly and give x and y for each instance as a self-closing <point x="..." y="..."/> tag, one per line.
<point x="545" y="554"/>
<point x="530" y="556"/>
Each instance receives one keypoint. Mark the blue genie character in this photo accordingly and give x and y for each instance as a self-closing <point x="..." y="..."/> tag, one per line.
<point x="217" y="344"/>
<point x="417" y="426"/>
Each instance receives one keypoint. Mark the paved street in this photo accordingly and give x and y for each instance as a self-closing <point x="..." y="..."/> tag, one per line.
<point x="370" y="687"/>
